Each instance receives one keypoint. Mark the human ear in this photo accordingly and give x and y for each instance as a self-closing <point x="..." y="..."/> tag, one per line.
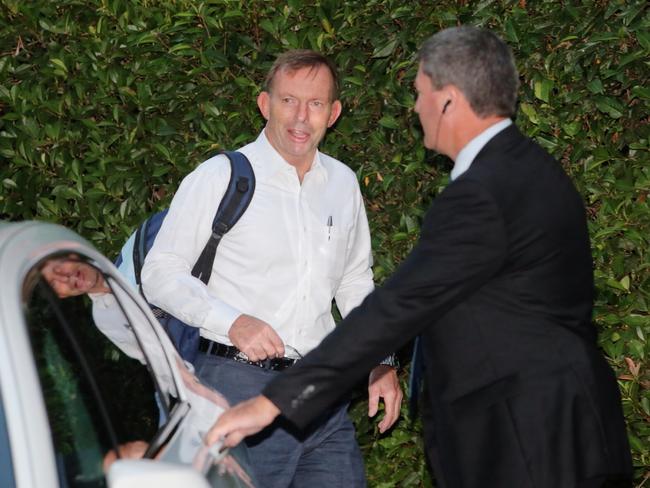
<point x="263" y="101"/>
<point x="336" y="111"/>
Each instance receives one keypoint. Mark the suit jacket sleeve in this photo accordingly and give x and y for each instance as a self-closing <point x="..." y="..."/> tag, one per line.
<point x="462" y="245"/>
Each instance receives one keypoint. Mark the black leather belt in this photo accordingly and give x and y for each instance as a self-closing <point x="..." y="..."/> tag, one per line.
<point x="231" y="352"/>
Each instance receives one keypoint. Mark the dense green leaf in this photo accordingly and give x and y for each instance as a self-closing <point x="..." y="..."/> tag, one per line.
<point x="106" y="105"/>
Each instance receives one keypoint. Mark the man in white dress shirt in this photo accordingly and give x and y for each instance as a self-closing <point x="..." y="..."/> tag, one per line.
<point x="302" y="242"/>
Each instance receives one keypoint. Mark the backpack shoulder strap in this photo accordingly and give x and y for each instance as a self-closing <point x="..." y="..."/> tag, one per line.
<point x="238" y="195"/>
<point x="234" y="203"/>
<point x="145" y="235"/>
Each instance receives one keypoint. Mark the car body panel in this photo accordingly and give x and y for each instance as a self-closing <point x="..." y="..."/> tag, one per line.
<point x="27" y="423"/>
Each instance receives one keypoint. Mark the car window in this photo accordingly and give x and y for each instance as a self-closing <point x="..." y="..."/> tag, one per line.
<point x="77" y="415"/>
<point x="95" y="373"/>
<point x="6" y="469"/>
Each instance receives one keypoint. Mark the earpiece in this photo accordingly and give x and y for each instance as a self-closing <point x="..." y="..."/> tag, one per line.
<point x="444" y="107"/>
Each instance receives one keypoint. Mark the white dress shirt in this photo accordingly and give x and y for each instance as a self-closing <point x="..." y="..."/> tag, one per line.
<point x="472" y="148"/>
<point x="295" y="249"/>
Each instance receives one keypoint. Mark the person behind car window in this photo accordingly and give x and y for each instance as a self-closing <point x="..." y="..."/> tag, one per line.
<point x="303" y="241"/>
<point x="68" y="276"/>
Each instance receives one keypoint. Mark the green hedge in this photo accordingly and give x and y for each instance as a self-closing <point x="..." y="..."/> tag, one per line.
<point x="105" y="105"/>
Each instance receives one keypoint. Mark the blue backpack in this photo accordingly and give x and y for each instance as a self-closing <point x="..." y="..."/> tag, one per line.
<point x="234" y="203"/>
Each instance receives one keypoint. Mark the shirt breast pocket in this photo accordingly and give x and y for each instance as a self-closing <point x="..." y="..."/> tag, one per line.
<point x="331" y="250"/>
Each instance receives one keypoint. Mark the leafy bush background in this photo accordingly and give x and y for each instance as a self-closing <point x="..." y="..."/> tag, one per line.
<point x="106" y="104"/>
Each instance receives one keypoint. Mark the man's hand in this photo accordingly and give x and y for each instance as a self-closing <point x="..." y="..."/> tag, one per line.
<point x="129" y="450"/>
<point x="246" y="418"/>
<point x="69" y="277"/>
<point x="383" y="383"/>
<point x="255" y="338"/>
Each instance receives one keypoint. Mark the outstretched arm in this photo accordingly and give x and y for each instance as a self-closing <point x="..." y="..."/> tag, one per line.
<point x="454" y="257"/>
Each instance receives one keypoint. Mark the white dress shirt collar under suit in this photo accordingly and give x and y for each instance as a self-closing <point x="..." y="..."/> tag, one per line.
<point x="472" y="148"/>
<point x="297" y="247"/>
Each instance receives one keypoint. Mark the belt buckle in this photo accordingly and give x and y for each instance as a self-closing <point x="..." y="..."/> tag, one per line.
<point x="242" y="357"/>
<point x="273" y="364"/>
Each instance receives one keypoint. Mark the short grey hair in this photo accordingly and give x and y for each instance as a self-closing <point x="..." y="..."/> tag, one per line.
<point x="478" y="63"/>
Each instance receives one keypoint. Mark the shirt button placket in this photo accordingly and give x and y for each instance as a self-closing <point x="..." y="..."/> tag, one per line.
<point x="302" y="266"/>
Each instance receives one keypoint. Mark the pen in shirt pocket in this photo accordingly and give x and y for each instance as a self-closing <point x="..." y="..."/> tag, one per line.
<point x="329" y="227"/>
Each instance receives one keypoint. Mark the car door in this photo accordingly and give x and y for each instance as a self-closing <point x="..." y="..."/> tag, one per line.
<point x="93" y="377"/>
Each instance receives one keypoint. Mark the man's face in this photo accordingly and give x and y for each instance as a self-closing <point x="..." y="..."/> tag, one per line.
<point x="429" y="107"/>
<point x="298" y="110"/>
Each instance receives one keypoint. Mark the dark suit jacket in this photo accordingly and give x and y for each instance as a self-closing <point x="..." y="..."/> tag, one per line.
<point x="500" y="287"/>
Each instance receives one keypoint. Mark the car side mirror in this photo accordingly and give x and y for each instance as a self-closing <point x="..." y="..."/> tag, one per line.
<point x="136" y="473"/>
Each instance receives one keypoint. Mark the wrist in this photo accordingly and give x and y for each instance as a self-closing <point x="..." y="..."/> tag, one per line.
<point x="270" y="408"/>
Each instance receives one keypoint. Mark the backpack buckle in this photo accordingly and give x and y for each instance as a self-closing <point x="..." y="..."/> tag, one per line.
<point x="219" y="229"/>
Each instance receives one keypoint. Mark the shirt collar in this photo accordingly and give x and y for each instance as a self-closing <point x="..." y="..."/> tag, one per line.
<point x="272" y="163"/>
<point x="472" y="148"/>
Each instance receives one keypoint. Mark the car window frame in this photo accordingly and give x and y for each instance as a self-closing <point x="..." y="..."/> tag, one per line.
<point x="139" y="312"/>
<point x="178" y="411"/>
<point x="128" y="313"/>
<point x="135" y="313"/>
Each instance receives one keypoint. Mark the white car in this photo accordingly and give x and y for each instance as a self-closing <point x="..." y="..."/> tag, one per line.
<point x="63" y="422"/>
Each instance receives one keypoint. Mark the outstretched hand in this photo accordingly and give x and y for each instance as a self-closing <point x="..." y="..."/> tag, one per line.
<point x="244" y="419"/>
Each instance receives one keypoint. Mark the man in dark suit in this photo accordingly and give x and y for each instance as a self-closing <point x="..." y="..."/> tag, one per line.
<point x="499" y="288"/>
